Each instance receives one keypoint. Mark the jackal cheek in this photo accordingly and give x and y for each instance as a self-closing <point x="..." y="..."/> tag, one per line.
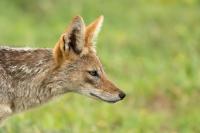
<point x="91" y="81"/>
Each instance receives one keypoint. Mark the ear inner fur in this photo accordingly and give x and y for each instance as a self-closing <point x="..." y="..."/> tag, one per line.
<point x="76" y="34"/>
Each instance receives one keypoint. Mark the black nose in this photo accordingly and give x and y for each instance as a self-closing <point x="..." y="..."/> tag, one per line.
<point x="122" y="95"/>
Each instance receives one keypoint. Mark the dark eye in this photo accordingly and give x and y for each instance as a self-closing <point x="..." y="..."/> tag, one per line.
<point x="93" y="73"/>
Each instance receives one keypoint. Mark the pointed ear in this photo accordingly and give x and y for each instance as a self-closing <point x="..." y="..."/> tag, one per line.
<point x="71" y="42"/>
<point x="92" y="31"/>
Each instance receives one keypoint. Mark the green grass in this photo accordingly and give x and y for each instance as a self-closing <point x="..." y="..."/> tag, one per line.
<point x="149" y="48"/>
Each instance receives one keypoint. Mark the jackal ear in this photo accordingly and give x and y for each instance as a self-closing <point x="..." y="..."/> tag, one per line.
<point x="71" y="41"/>
<point x="92" y="31"/>
<point x="74" y="37"/>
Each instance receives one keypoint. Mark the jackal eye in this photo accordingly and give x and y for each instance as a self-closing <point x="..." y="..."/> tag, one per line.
<point x="93" y="73"/>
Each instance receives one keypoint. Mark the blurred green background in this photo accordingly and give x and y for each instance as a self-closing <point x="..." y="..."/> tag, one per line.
<point x="150" y="48"/>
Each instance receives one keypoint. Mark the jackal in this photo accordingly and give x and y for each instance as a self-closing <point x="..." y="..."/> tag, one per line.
<point x="31" y="77"/>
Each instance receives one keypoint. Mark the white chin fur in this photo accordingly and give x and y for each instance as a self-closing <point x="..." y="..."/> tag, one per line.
<point x="99" y="94"/>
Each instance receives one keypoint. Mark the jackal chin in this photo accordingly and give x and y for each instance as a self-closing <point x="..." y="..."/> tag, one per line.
<point x="103" y="96"/>
<point x="106" y="99"/>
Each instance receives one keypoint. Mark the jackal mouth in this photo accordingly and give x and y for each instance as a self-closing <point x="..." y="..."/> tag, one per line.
<point x="109" y="101"/>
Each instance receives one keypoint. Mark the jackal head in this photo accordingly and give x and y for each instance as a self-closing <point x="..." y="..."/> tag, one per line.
<point x="80" y="67"/>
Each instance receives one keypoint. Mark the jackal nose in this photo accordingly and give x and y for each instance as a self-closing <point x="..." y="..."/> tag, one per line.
<point x="122" y="95"/>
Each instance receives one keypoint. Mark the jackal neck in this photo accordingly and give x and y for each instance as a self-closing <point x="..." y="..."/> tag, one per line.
<point x="29" y="69"/>
<point x="29" y="76"/>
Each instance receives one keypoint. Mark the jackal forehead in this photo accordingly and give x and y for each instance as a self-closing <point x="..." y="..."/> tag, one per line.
<point x="91" y="60"/>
